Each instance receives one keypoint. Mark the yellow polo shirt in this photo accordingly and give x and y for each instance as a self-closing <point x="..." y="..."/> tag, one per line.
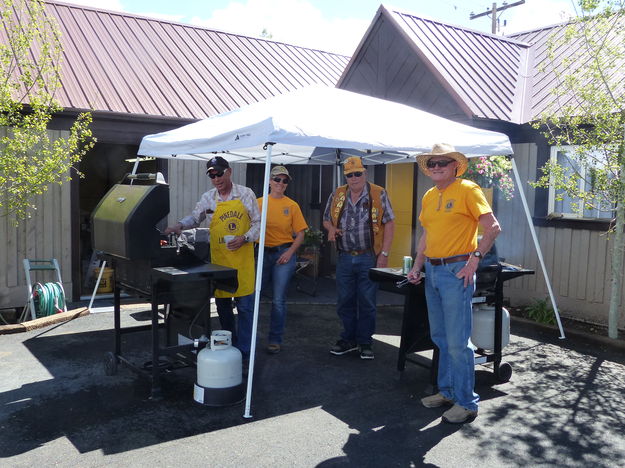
<point x="284" y="219"/>
<point x="451" y="217"/>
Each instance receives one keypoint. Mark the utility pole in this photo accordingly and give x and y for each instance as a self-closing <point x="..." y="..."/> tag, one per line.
<point x="493" y="12"/>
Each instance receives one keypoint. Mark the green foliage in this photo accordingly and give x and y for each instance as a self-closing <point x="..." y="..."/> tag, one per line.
<point x="313" y="238"/>
<point x="585" y="61"/>
<point x="493" y="171"/>
<point x="588" y="109"/>
<point x="30" y="77"/>
<point x="541" y="311"/>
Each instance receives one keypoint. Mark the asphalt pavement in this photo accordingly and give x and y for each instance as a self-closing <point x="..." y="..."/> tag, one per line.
<point x="564" y="405"/>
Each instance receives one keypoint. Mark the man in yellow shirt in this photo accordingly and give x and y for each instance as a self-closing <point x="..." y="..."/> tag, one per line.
<point x="450" y="214"/>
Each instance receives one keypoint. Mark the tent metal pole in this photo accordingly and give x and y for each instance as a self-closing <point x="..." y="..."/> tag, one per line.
<point x="537" y="245"/>
<point x="259" y="279"/>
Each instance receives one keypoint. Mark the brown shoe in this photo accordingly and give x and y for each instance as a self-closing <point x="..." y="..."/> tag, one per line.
<point x="273" y="348"/>
<point x="434" y="401"/>
<point x="459" y="415"/>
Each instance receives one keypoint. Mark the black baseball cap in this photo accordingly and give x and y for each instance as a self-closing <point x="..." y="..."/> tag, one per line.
<point x="217" y="164"/>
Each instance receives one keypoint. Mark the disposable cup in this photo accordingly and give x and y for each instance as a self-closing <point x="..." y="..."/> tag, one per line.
<point x="228" y="239"/>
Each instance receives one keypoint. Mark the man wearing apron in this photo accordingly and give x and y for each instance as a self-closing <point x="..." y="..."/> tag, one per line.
<point x="230" y="210"/>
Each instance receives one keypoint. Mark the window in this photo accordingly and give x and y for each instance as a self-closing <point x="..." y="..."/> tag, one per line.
<point x="569" y="207"/>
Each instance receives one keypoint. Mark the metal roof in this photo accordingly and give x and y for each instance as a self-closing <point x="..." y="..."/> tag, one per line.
<point x="484" y="72"/>
<point x="129" y="64"/>
<point x="544" y="80"/>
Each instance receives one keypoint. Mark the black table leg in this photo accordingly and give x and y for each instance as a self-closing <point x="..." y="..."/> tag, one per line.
<point x="156" y="384"/>
<point x="117" y="319"/>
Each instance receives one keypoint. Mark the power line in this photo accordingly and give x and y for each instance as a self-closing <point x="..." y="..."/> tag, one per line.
<point x="493" y="13"/>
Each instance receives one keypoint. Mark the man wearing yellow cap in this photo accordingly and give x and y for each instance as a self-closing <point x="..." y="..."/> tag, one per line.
<point x="359" y="219"/>
<point x="450" y="214"/>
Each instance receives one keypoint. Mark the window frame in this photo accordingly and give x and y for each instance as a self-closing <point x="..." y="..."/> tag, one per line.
<point x="551" y="200"/>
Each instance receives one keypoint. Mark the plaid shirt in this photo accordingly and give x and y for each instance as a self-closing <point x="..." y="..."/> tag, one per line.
<point x="354" y="221"/>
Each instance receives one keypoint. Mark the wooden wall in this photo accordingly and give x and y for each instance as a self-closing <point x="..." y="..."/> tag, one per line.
<point x="187" y="182"/>
<point x="46" y="235"/>
<point x="577" y="260"/>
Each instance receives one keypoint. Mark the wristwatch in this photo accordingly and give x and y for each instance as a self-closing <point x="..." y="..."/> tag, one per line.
<point x="478" y="254"/>
<point x="385" y="253"/>
<point x="246" y="237"/>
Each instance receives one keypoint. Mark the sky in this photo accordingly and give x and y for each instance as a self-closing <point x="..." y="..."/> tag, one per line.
<point x="334" y="25"/>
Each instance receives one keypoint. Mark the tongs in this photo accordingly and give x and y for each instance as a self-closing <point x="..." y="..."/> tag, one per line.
<point x="402" y="283"/>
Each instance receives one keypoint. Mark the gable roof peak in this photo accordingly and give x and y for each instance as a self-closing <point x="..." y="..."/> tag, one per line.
<point x="398" y="11"/>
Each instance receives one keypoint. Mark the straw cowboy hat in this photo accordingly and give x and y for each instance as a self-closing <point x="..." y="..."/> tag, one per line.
<point x="443" y="149"/>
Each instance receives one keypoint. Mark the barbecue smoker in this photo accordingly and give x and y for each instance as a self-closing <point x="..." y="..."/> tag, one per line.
<point x="415" y="333"/>
<point x="160" y="268"/>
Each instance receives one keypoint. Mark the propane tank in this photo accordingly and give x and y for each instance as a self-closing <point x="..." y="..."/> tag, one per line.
<point x="219" y="372"/>
<point x="483" y="335"/>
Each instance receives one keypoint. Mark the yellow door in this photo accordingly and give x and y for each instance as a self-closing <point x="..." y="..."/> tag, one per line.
<point x="400" y="188"/>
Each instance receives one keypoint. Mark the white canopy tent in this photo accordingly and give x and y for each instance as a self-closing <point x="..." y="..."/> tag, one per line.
<point x="320" y="125"/>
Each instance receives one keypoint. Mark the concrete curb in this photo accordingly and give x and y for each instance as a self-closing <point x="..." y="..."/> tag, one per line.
<point x="618" y="344"/>
<point x="43" y="321"/>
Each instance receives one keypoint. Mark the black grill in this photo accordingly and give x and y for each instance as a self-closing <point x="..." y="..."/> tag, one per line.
<point x="161" y="268"/>
<point x="124" y="231"/>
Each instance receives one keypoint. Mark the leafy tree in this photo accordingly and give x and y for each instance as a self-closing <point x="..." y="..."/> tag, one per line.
<point x="30" y="65"/>
<point x="586" y="59"/>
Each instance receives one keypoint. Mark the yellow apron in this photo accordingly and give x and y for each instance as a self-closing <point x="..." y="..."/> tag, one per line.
<point x="231" y="218"/>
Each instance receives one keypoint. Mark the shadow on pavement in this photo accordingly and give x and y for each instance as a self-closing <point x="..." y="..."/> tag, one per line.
<point x="561" y="407"/>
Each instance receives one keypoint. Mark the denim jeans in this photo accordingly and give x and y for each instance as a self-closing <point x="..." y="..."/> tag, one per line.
<point x="241" y="334"/>
<point x="278" y="276"/>
<point x="450" y="315"/>
<point x="356" y="297"/>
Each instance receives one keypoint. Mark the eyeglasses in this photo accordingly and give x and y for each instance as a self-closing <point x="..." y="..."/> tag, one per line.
<point x="441" y="163"/>
<point x="353" y="174"/>
<point x="212" y="175"/>
<point x="280" y="179"/>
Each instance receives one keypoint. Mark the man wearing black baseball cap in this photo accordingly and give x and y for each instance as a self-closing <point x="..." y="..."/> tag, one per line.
<point x="233" y="218"/>
<point x="217" y="164"/>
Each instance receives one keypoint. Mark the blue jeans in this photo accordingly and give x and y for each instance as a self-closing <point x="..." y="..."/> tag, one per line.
<point x="278" y="276"/>
<point x="241" y="334"/>
<point x="450" y="315"/>
<point x="356" y="297"/>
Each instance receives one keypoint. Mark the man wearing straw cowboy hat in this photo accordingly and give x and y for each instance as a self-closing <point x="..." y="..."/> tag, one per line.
<point x="448" y="248"/>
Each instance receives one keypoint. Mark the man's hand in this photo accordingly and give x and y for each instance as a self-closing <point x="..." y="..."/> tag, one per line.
<point x="414" y="275"/>
<point x="382" y="261"/>
<point x="176" y="229"/>
<point x="333" y="233"/>
<point x="236" y="243"/>
<point x="468" y="270"/>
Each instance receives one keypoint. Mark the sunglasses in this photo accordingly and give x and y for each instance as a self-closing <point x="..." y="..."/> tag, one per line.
<point x="442" y="163"/>
<point x="353" y="174"/>
<point x="212" y="175"/>
<point x="280" y="179"/>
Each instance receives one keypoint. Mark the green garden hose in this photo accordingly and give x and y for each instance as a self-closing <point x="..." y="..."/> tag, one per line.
<point x="49" y="299"/>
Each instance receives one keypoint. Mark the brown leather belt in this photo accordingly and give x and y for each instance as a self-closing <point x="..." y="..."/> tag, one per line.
<point x="446" y="260"/>
<point x="354" y="253"/>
